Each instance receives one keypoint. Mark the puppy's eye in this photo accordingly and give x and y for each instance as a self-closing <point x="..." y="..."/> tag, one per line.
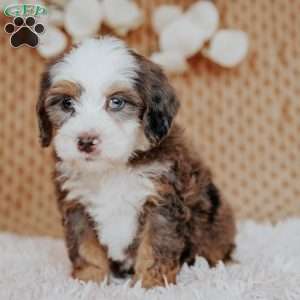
<point x="67" y="103"/>
<point x="116" y="103"/>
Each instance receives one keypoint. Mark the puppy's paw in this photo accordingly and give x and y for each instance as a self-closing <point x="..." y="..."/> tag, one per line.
<point x="90" y="273"/>
<point x="156" y="276"/>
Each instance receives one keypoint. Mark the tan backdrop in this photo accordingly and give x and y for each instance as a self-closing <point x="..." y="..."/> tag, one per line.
<point x="245" y="122"/>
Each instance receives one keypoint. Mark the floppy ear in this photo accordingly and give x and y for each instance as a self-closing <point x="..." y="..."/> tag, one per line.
<point x="161" y="104"/>
<point x="44" y="122"/>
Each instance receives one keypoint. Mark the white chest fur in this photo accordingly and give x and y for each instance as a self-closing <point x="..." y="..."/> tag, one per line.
<point x="113" y="199"/>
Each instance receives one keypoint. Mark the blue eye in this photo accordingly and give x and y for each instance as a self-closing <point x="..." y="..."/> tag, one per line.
<point x="116" y="103"/>
<point x="67" y="103"/>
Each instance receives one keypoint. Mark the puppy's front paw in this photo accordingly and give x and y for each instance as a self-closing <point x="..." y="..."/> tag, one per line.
<point x="89" y="273"/>
<point x="156" y="276"/>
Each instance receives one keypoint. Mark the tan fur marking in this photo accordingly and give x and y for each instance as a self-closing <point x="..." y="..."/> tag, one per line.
<point x="94" y="265"/>
<point x="89" y="273"/>
<point x="91" y="250"/>
<point x="90" y="260"/>
<point x="150" y="270"/>
<point x="65" y="87"/>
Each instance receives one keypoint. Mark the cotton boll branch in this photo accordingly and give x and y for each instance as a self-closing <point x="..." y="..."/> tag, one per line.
<point x="186" y="33"/>
<point x="83" y="19"/>
<point x="181" y="34"/>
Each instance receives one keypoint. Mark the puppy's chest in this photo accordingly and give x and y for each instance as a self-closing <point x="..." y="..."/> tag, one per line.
<point x="114" y="201"/>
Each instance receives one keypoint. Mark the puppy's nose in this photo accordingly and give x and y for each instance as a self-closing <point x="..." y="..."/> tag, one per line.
<point x="87" y="142"/>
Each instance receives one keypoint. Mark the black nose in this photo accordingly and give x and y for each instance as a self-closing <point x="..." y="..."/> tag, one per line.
<point x="87" y="143"/>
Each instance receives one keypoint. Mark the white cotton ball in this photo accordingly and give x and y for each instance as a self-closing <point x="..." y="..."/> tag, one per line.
<point x="205" y="14"/>
<point x="228" y="47"/>
<point x="182" y="36"/>
<point x="56" y="17"/>
<point x="165" y="15"/>
<point x="83" y="18"/>
<point x="52" y="42"/>
<point x="170" y="61"/>
<point x="122" y="15"/>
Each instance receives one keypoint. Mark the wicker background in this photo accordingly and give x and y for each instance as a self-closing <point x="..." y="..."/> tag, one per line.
<point x="245" y="121"/>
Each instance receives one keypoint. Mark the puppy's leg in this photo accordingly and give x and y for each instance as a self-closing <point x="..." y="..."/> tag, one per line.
<point x="87" y="255"/>
<point x="93" y="264"/>
<point x="212" y="236"/>
<point x="161" y="245"/>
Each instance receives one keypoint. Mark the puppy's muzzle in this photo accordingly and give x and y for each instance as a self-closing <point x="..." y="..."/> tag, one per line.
<point x="88" y="143"/>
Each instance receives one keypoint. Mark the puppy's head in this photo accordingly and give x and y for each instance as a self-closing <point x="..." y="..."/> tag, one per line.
<point x="103" y="102"/>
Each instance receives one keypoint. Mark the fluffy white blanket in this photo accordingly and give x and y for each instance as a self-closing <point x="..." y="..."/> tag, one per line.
<point x="267" y="267"/>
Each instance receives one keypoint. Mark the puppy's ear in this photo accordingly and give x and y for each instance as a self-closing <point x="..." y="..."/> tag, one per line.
<point x="44" y="122"/>
<point x="161" y="104"/>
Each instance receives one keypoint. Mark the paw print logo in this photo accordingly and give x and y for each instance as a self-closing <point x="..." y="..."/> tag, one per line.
<point x="24" y="31"/>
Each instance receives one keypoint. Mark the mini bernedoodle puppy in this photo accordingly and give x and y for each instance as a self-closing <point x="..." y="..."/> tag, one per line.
<point x="133" y="196"/>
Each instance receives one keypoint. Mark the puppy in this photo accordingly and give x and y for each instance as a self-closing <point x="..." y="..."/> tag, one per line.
<point x="133" y="196"/>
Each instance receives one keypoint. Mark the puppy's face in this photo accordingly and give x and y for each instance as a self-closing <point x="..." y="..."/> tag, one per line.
<point x="102" y="102"/>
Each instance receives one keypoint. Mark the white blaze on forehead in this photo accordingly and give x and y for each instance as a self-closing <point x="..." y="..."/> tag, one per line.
<point x="97" y="64"/>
